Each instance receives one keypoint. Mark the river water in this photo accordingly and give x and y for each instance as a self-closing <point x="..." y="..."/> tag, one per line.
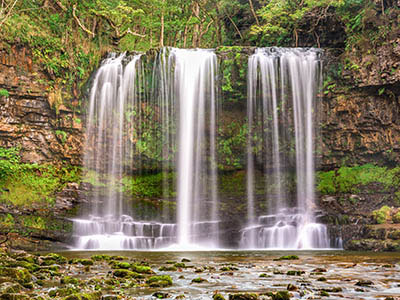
<point x="339" y="274"/>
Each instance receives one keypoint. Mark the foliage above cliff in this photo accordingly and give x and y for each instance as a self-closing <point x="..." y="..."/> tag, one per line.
<point x="69" y="37"/>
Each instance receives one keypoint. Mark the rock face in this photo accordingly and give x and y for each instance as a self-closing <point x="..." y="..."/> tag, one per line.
<point x="26" y="118"/>
<point x="359" y="124"/>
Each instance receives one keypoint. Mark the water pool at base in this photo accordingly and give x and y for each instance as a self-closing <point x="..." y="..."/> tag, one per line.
<point x="315" y="275"/>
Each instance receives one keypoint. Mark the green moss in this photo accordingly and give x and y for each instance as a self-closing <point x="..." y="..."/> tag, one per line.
<point x="199" y="280"/>
<point x="123" y="273"/>
<point x="120" y="264"/>
<point x="159" y="281"/>
<point x="4" y="93"/>
<point x="218" y="296"/>
<point x="350" y="179"/>
<point x="382" y="215"/>
<point x="243" y="296"/>
<point x="83" y="261"/>
<point x="142" y="269"/>
<point x="26" y="184"/>
<point x="69" y="280"/>
<point x="84" y="296"/>
<point x="281" y="295"/>
<point x="100" y="257"/>
<point x="287" y="257"/>
<point x="21" y="275"/>
<point x="168" y="268"/>
<point x="59" y="259"/>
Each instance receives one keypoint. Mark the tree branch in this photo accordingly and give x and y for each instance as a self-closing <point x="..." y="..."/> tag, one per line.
<point x="79" y="22"/>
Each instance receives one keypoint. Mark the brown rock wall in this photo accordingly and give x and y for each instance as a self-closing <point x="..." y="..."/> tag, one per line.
<point x="26" y="117"/>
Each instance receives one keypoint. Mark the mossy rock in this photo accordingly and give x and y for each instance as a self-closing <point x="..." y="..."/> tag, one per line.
<point x="199" y="280"/>
<point x="101" y="257"/>
<point x="83" y="261"/>
<point x="218" y="297"/>
<point x="294" y="273"/>
<point x="180" y="265"/>
<point x="115" y="264"/>
<point x="159" y="281"/>
<point x="228" y="268"/>
<point x="243" y="296"/>
<point x="8" y="287"/>
<point x="84" y="296"/>
<point x="142" y="269"/>
<point x="69" y="280"/>
<point x="18" y="274"/>
<point x="11" y="296"/>
<point x="281" y="295"/>
<point x="24" y="264"/>
<point x="382" y="215"/>
<point x="53" y="258"/>
<point x="123" y="273"/>
<point x="287" y="257"/>
<point x="168" y="268"/>
<point x="63" y="292"/>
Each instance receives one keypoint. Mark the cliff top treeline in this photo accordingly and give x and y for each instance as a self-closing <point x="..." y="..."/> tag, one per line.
<point x="68" y="37"/>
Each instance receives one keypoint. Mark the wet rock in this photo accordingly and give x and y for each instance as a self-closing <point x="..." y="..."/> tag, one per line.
<point x="84" y="296"/>
<point x="20" y="275"/>
<point x="122" y="273"/>
<point x="69" y="280"/>
<point x="280" y="295"/>
<point x="10" y="296"/>
<point x="8" y="287"/>
<point x="159" y="281"/>
<point x="168" y="268"/>
<point x="287" y="257"/>
<point x="324" y="294"/>
<point x="291" y="287"/>
<point x="364" y="283"/>
<point x="294" y="273"/>
<point x="218" y="296"/>
<point x="83" y="261"/>
<point x="243" y="296"/>
<point x="101" y="257"/>
<point x="52" y="258"/>
<point x="142" y="269"/>
<point x="185" y="260"/>
<point x="321" y="279"/>
<point x="109" y="297"/>
<point x="161" y="295"/>
<point x="119" y="264"/>
<point x="199" y="280"/>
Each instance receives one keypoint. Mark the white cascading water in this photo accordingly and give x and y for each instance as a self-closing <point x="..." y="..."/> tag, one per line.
<point x="183" y="93"/>
<point x="282" y="88"/>
<point x="195" y="76"/>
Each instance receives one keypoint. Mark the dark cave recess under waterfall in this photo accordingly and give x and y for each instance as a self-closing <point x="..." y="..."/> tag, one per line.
<point x="167" y="110"/>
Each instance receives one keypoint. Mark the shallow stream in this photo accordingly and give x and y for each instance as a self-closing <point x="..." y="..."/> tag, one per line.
<point x="317" y="274"/>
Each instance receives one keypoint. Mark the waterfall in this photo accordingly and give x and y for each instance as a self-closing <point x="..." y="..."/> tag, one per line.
<point x="195" y="73"/>
<point x="178" y="105"/>
<point x="158" y="114"/>
<point x="282" y="88"/>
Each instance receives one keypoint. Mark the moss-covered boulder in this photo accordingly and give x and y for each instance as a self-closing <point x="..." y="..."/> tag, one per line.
<point x="123" y="273"/>
<point x="18" y="274"/>
<point x="243" y="296"/>
<point x="159" y="281"/>
<point x="84" y="296"/>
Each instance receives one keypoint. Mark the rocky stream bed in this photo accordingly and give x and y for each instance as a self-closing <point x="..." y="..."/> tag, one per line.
<point x="199" y="275"/>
